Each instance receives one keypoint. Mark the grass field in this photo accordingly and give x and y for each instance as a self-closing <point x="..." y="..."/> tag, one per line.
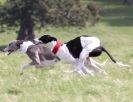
<point x="53" y="85"/>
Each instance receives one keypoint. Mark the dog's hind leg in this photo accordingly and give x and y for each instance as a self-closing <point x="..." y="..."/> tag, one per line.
<point x="123" y="65"/>
<point x="97" y="63"/>
<point x="80" y="69"/>
<point x="92" y="64"/>
<point x="98" y="69"/>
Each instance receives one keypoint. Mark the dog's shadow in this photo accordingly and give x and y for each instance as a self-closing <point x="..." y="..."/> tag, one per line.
<point x="2" y="47"/>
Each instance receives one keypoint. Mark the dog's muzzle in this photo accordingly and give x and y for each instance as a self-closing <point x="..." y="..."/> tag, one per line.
<point x="9" y="51"/>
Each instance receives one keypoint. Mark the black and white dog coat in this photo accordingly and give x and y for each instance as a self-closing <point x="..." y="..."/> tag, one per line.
<point x="76" y="50"/>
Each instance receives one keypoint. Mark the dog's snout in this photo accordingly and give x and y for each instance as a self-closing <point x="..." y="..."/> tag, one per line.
<point x="4" y="50"/>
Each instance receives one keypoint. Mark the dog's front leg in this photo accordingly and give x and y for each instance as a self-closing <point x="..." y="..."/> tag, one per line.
<point x="78" y="68"/>
<point x="24" y="66"/>
<point x="82" y="60"/>
<point x="81" y="69"/>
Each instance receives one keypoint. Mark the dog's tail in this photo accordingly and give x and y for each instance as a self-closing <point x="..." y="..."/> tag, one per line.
<point x="103" y="49"/>
<point x="118" y="63"/>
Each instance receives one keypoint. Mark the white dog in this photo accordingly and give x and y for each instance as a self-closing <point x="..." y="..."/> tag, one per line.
<point x="77" y="51"/>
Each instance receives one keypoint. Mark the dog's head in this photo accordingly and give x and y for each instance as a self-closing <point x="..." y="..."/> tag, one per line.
<point x="45" y="39"/>
<point x="13" y="46"/>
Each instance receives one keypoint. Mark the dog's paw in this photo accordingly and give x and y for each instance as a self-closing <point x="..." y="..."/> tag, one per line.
<point x="21" y="73"/>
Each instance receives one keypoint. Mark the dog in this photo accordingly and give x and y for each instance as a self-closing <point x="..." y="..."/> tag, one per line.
<point x="78" y="51"/>
<point x="40" y="55"/>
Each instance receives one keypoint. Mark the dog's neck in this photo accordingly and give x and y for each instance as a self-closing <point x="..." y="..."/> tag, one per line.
<point x="25" y="45"/>
<point x="54" y="46"/>
<point x="51" y="44"/>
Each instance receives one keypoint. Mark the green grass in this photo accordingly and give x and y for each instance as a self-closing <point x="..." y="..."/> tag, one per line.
<point x="53" y="85"/>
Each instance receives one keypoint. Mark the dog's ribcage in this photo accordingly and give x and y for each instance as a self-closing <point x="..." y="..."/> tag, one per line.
<point x="65" y="55"/>
<point x="78" y="47"/>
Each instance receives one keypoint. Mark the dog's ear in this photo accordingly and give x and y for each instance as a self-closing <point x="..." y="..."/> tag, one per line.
<point x="37" y="41"/>
<point x="47" y="38"/>
<point x="19" y="42"/>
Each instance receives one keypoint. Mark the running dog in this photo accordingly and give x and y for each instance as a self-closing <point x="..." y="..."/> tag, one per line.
<point x="78" y="51"/>
<point x="40" y="55"/>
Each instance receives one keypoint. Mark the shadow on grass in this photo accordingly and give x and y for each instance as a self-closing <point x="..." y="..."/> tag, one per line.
<point x="13" y="91"/>
<point x="2" y="47"/>
<point x="117" y="14"/>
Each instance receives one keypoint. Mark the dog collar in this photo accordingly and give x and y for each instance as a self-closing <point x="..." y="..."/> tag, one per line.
<point x="56" y="47"/>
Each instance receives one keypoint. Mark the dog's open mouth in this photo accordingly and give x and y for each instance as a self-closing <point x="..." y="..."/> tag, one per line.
<point x="9" y="52"/>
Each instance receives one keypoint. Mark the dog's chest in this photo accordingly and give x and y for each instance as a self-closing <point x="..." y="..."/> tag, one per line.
<point x="65" y="55"/>
<point x="25" y="45"/>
